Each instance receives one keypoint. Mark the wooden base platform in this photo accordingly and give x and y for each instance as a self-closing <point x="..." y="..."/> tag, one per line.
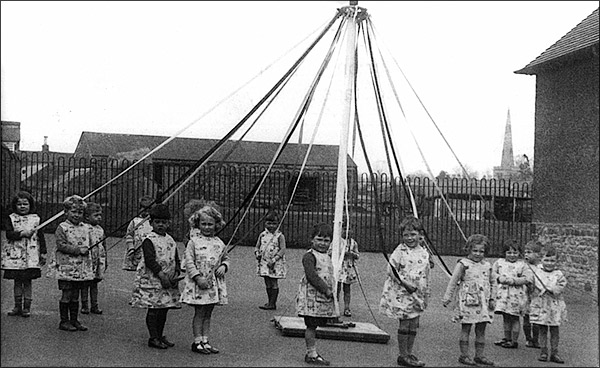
<point x="363" y="332"/>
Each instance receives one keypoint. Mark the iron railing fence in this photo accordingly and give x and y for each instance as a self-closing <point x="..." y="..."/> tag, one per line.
<point x="499" y="209"/>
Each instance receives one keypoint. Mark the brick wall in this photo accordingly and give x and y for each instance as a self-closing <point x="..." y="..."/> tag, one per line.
<point x="578" y="257"/>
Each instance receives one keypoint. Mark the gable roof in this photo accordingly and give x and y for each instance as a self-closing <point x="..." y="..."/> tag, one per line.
<point x="582" y="36"/>
<point x="111" y="145"/>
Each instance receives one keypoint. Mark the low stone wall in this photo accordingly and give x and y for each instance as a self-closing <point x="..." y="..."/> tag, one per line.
<point x="578" y="247"/>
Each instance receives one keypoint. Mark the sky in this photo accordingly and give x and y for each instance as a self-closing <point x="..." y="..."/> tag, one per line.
<point x="196" y="68"/>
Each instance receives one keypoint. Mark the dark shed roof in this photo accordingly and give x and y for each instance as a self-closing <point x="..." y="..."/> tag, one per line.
<point x="92" y="144"/>
<point x="583" y="36"/>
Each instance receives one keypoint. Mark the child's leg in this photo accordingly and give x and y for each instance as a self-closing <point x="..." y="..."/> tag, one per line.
<point x="74" y="305"/>
<point x="543" y="341"/>
<point x="310" y="339"/>
<point x="63" y="307"/>
<point x="152" y="322"/>
<point x="26" y="298"/>
<point x="85" y="308"/>
<point x="464" y="339"/>
<point x="346" y="297"/>
<point x="527" y="331"/>
<point x="161" y="321"/>
<point x="554" y="340"/>
<point x="18" y="295"/>
<point x="480" y="344"/>
<point x="205" y="330"/>
<point x="515" y="328"/>
<point x="403" y="333"/>
<point x="507" y="324"/>
<point x="272" y="293"/>
<point x="275" y="291"/>
<point x="94" y="298"/>
<point x="413" y="325"/>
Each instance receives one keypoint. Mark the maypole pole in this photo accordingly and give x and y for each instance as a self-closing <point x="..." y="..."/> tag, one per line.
<point x="347" y="118"/>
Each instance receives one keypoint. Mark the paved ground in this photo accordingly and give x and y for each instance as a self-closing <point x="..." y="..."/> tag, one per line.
<point x="244" y="332"/>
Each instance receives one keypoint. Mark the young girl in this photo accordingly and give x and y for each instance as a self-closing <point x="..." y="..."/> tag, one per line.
<point x="206" y="262"/>
<point x="156" y="281"/>
<point x="532" y="257"/>
<point x="270" y="254"/>
<point x="137" y="230"/>
<point x="347" y="275"/>
<point x="93" y="216"/>
<point x="548" y="309"/>
<point x="511" y="293"/>
<point x="406" y="298"/>
<point x="24" y="252"/>
<point x="74" y="268"/>
<point x="314" y="300"/>
<point x="473" y="278"/>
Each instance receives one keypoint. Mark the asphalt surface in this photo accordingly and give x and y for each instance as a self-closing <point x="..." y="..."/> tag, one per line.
<point x="245" y="334"/>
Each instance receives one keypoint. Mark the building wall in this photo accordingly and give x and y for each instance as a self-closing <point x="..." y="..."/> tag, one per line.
<point x="566" y="145"/>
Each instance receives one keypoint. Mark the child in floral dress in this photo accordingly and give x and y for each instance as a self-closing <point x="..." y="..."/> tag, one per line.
<point x="137" y="230"/>
<point x="314" y="300"/>
<point x="157" y="277"/>
<point x="93" y="216"/>
<point x="74" y="268"/>
<point x="474" y="280"/>
<point x="405" y="298"/>
<point x="548" y="309"/>
<point x="24" y="252"/>
<point x="511" y="293"/>
<point x="347" y="275"/>
<point x="270" y="256"/>
<point x="206" y="262"/>
<point x="532" y="257"/>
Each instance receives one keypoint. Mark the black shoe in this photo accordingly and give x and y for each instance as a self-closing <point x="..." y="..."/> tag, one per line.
<point x="532" y="344"/>
<point x="198" y="347"/>
<point x="155" y="342"/>
<point x="556" y="359"/>
<point x="210" y="348"/>
<point x="500" y="342"/>
<point x="318" y="360"/>
<point x="483" y="361"/>
<point x="96" y="310"/>
<point x="466" y="360"/>
<point x="16" y="311"/>
<point x="543" y="357"/>
<point x="66" y="326"/>
<point x="166" y="342"/>
<point x="414" y="361"/>
<point x="510" y="345"/>
<point x="85" y="310"/>
<point x="79" y="326"/>
<point x="267" y="307"/>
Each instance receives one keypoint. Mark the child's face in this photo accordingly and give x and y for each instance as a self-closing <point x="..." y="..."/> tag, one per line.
<point x="511" y="255"/>
<point x="549" y="263"/>
<point x="160" y="226"/>
<point x="94" y="218"/>
<point x="411" y="238"/>
<point x="531" y="256"/>
<point x="321" y="243"/>
<point x="75" y="215"/>
<point x="207" y="225"/>
<point x="22" y="206"/>
<point x="477" y="252"/>
<point x="271" y="226"/>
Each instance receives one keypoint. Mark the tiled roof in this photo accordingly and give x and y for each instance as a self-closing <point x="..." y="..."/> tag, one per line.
<point x="584" y="35"/>
<point x="92" y="144"/>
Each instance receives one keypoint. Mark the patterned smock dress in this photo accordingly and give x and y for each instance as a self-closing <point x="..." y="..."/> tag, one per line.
<point x="510" y="299"/>
<point x="69" y="264"/>
<point x="148" y="291"/>
<point x="548" y="309"/>
<point x="475" y="288"/>
<point x="20" y="255"/>
<point x="310" y="301"/>
<point x="347" y="273"/>
<point x="137" y="231"/>
<point x="98" y="251"/>
<point x="411" y="264"/>
<point x="268" y="247"/>
<point x="203" y="255"/>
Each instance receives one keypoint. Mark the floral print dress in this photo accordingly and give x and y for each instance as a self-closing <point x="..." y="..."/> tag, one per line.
<point x="475" y="288"/>
<point x="549" y="308"/>
<point x="347" y="271"/>
<point x="269" y="247"/>
<point x="510" y="299"/>
<point x="203" y="255"/>
<point x="412" y="264"/>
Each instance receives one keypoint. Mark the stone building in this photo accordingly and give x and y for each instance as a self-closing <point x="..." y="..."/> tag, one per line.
<point x="565" y="209"/>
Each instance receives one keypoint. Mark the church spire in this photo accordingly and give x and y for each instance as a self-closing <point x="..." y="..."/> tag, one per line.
<point x="507" y="149"/>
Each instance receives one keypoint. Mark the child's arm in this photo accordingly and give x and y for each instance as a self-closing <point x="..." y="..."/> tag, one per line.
<point x="457" y="275"/>
<point x="11" y="234"/>
<point x="190" y="261"/>
<point x="224" y="265"/>
<point x="42" y="247"/>
<point x="309" y="263"/>
<point x="559" y="286"/>
<point x="493" y="290"/>
<point x="151" y="263"/>
<point x="129" y="242"/>
<point x="257" y="252"/>
<point x="353" y="253"/>
<point x="63" y="245"/>
<point x="280" y="253"/>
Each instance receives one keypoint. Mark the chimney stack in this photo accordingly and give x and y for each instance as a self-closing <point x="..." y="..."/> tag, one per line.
<point x="45" y="147"/>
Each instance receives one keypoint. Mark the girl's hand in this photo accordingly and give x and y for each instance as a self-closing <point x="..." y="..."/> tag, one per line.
<point x="257" y="255"/>
<point x="84" y="251"/>
<point x="26" y="233"/>
<point x="165" y="281"/>
<point x="220" y="271"/>
<point x="492" y="304"/>
<point x="202" y="282"/>
<point x="42" y="260"/>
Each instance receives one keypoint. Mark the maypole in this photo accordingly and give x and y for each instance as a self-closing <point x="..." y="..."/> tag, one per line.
<point x="346" y="118"/>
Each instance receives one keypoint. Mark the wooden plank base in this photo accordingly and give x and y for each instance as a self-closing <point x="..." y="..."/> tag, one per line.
<point x="363" y="332"/>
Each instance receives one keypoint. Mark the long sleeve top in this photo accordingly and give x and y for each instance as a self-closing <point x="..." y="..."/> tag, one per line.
<point x="309" y="262"/>
<point x="150" y="257"/>
<point x="11" y="234"/>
